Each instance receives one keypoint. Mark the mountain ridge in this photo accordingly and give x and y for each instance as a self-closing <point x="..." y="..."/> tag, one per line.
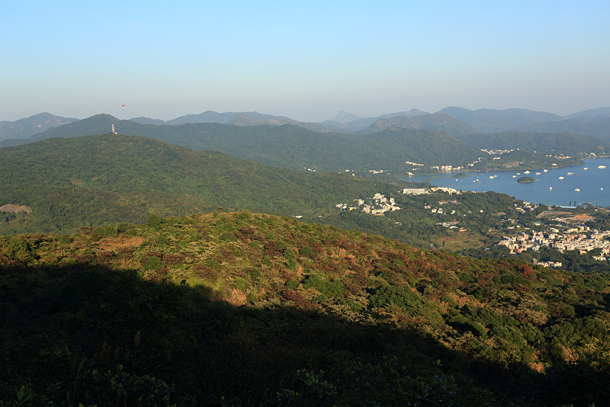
<point x="434" y="121"/>
<point x="30" y="126"/>
<point x="289" y="146"/>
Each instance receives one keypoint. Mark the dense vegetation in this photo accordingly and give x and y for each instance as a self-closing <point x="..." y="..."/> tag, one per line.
<point x="291" y="146"/>
<point x="96" y="180"/>
<point x="241" y="309"/>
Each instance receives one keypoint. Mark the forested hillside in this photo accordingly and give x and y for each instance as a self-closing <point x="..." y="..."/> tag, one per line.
<point x="67" y="183"/>
<point x="241" y="309"/>
<point x="291" y="146"/>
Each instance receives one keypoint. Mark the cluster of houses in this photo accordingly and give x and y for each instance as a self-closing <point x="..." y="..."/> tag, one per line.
<point x="496" y="152"/>
<point x="377" y="205"/>
<point x="580" y="238"/>
<point x="447" y="168"/>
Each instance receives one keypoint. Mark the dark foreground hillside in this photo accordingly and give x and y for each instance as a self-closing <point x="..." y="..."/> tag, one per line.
<point x="242" y="309"/>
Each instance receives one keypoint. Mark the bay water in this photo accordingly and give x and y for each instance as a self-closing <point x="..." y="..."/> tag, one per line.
<point x="569" y="186"/>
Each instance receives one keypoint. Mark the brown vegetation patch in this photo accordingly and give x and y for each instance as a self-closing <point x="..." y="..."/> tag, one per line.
<point x="237" y="297"/>
<point x="120" y="242"/>
<point x="15" y="208"/>
<point x="581" y="218"/>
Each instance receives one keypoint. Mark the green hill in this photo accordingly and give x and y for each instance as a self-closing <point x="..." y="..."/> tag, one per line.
<point x="437" y="121"/>
<point x="290" y="146"/>
<point x="30" y="126"/>
<point x="82" y="181"/>
<point x="248" y="309"/>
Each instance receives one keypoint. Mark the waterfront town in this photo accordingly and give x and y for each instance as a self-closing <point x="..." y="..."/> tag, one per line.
<point x="554" y="228"/>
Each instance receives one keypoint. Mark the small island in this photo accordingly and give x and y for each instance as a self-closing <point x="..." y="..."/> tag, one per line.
<point x="460" y="175"/>
<point x="526" y="180"/>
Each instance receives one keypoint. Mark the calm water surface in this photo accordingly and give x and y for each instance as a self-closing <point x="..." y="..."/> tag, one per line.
<point x="585" y="184"/>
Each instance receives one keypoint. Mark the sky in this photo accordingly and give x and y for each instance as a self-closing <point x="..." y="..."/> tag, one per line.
<point x="303" y="59"/>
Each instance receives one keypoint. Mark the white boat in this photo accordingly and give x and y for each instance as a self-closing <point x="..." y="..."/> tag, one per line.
<point x="537" y="173"/>
<point x="526" y="172"/>
<point x="601" y="166"/>
<point x="586" y="168"/>
<point x="546" y="170"/>
<point x="514" y="176"/>
<point x="570" y="173"/>
<point x="550" y="188"/>
<point x="577" y="190"/>
<point x="560" y="177"/>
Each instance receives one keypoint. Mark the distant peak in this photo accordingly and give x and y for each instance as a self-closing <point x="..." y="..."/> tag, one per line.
<point x="346" y="117"/>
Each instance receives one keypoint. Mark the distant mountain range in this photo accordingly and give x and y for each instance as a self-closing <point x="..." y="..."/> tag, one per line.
<point x="491" y="120"/>
<point x="30" y="126"/>
<point x="364" y="122"/>
<point x="290" y="146"/>
<point x="455" y="121"/>
<point x="234" y="118"/>
<point x="436" y="121"/>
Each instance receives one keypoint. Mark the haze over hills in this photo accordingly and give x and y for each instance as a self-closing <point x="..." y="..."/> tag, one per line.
<point x="591" y="114"/>
<point x="482" y="120"/>
<point x="364" y="122"/>
<point x="234" y="118"/>
<point x="436" y="121"/>
<point x="30" y="126"/>
<point x="492" y="120"/>
<point x="345" y="117"/>
<point x="452" y="120"/>
<point x="593" y="122"/>
<point x="290" y="146"/>
<point x="599" y="128"/>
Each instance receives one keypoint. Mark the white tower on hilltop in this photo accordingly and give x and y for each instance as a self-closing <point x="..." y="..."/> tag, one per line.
<point x="113" y="132"/>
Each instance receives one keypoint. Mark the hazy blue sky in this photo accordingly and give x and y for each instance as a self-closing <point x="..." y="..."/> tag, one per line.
<point x="303" y="59"/>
